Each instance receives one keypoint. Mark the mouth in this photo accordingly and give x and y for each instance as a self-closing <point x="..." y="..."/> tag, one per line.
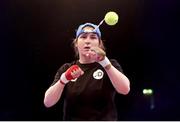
<point x="87" y="48"/>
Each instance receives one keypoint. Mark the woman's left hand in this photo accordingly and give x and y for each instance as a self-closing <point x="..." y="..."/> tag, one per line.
<point x="97" y="54"/>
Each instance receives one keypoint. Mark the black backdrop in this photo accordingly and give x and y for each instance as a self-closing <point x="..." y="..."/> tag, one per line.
<point x="36" y="35"/>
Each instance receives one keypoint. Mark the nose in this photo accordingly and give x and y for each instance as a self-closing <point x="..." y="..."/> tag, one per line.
<point x="87" y="41"/>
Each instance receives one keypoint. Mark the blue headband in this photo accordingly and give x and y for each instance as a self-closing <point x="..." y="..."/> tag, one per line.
<point x="96" y="29"/>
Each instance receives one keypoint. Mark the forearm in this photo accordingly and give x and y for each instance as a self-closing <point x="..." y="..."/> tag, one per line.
<point x="119" y="80"/>
<point x="53" y="94"/>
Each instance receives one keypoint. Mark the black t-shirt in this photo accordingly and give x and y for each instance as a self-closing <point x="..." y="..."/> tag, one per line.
<point x="91" y="96"/>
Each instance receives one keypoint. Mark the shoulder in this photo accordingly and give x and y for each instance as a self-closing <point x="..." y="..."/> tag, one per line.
<point x="116" y="64"/>
<point x="113" y="61"/>
<point x="62" y="69"/>
<point x="65" y="66"/>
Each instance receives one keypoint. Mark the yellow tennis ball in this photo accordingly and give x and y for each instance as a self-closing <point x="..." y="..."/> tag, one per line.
<point x="111" y="18"/>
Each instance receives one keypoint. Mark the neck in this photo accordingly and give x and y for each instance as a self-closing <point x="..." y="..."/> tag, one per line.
<point x="85" y="59"/>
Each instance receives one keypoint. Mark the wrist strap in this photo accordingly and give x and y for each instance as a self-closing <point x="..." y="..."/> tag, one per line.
<point x="62" y="82"/>
<point x="104" y="62"/>
<point x="63" y="79"/>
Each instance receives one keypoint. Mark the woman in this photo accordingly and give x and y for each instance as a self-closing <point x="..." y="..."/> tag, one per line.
<point x="88" y="85"/>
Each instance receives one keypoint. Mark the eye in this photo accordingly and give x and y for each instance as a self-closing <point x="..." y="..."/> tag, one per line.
<point x="94" y="37"/>
<point x="83" y="37"/>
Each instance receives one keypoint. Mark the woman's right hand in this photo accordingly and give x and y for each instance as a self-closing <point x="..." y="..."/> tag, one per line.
<point x="71" y="73"/>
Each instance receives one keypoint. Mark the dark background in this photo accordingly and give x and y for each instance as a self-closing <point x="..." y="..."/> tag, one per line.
<point x="35" y="39"/>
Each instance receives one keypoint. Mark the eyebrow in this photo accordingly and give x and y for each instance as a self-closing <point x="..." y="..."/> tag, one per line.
<point x="91" y="34"/>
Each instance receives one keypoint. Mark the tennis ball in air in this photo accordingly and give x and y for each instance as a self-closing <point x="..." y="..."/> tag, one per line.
<point x="111" y="18"/>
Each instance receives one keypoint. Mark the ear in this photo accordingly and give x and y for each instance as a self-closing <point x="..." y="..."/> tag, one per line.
<point x="75" y="44"/>
<point x="100" y="44"/>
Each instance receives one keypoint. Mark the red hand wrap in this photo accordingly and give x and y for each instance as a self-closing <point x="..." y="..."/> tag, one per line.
<point x="69" y="71"/>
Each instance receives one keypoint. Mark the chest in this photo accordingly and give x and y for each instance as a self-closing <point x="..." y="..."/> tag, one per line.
<point x="91" y="83"/>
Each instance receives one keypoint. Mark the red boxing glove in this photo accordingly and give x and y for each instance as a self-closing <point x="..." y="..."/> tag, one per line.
<point x="69" y="73"/>
<point x="73" y="72"/>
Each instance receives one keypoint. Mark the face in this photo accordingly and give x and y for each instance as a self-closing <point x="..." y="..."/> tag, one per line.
<point x="87" y="40"/>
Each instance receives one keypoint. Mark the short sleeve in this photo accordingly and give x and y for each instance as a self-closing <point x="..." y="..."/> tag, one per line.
<point x="115" y="63"/>
<point x="61" y="70"/>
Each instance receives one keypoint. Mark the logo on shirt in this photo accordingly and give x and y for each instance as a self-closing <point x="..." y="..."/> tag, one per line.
<point x="98" y="74"/>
